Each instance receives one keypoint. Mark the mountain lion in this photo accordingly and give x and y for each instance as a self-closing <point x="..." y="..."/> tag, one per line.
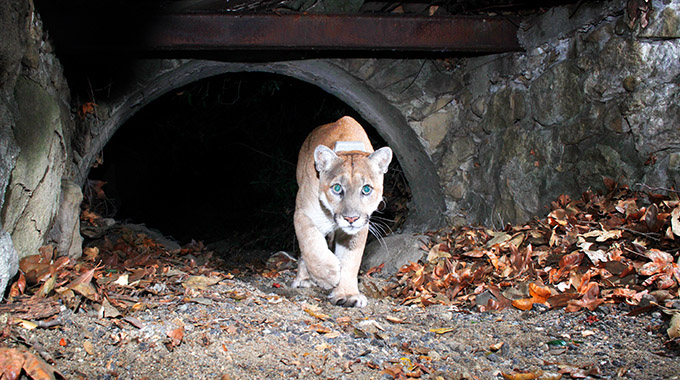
<point x="340" y="181"/>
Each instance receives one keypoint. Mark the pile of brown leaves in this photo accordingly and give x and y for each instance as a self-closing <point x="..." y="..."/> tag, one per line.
<point x="112" y="276"/>
<point x="618" y="247"/>
<point x="123" y="271"/>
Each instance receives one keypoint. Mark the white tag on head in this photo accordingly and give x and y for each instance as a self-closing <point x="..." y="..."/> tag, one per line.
<point x="345" y="146"/>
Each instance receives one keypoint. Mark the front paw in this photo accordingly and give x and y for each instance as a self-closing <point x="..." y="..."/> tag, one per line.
<point x="331" y="279"/>
<point x="326" y="274"/>
<point x="348" y="300"/>
<point x="301" y="283"/>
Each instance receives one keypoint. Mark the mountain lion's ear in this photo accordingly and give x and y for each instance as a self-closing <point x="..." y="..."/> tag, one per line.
<point x="382" y="157"/>
<point x="324" y="158"/>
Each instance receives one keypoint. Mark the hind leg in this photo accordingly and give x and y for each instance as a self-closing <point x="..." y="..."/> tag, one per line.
<point x="302" y="280"/>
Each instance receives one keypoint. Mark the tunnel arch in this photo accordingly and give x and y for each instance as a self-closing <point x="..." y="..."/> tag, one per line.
<point x="161" y="76"/>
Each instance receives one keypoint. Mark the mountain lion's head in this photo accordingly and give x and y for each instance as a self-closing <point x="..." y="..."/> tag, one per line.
<point x="351" y="184"/>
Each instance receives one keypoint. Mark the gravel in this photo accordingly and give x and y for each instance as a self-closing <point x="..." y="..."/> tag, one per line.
<point x="253" y="327"/>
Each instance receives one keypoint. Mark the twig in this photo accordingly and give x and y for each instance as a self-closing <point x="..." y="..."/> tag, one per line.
<point x="649" y="188"/>
<point x="635" y="253"/>
<point x="648" y="235"/>
<point x="415" y="77"/>
<point x="47" y="324"/>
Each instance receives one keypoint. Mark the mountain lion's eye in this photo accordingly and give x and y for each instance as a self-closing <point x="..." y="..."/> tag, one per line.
<point x="337" y="189"/>
<point x="366" y="190"/>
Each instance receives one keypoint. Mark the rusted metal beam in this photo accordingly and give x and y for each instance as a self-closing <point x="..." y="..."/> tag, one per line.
<point x="329" y="32"/>
<point x="108" y="32"/>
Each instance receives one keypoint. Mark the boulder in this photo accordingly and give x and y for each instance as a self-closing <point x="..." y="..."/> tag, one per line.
<point x="66" y="230"/>
<point x="394" y="251"/>
<point x="9" y="261"/>
<point x="32" y="197"/>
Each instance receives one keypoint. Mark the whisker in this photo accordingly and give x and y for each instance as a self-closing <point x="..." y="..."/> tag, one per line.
<point x="382" y="218"/>
<point x="382" y="229"/>
<point x="375" y="232"/>
<point x="382" y="226"/>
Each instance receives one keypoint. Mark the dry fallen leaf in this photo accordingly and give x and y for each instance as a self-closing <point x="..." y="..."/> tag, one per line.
<point x="314" y="313"/>
<point x="89" y="348"/>
<point x="660" y="260"/>
<point x="37" y="369"/>
<point x="675" y="221"/>
<point x="496" y="346"/>
<point x="523" y="304"/>
<point x="200" y="282"/>
<point x="595" y="255"/>
<point x="47" y="287"/>
<point x="343" y="320"/>
<point x="91" y="253"/>
<point x="28" y="325"/>
<point x="590" y="299"/>
<point x="442" y="330"/>
<point x="317" y="327"/>
<point x="519" y="376"/>
<point x="11" y="363"/>
<point x="392" y="319"/>
<point x="437" y="252"/>
<point x="83" y="285"/>
<point x="18" y="287"/>
<point x="176" y="336"/>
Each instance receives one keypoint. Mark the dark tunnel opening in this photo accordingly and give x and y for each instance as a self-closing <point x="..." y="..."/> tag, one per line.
<point x="215" y="161"/>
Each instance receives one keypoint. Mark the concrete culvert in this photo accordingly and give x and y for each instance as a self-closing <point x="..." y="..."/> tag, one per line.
<point x="215" y="161"/>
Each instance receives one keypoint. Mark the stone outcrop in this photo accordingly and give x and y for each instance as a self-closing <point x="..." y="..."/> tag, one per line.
<point x="594" y="95"/>
<point x="35" y="131"/>
<point x="33" y="192"/>
<point x="66" y="231"/>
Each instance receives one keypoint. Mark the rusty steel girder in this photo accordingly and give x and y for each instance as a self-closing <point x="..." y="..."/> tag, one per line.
<point x="213" y="31"/>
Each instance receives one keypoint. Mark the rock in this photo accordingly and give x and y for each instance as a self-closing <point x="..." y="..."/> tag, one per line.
<point x="602" y="160"/>
<point x="66" y="230"/>
<point x="9" y="261"/>
<point x="33" y="194"/>
<point x="438" y="104"/>
<point x="674" y="161"/>
<point x="664" y="21"/>
<point x="506" y="107"/>
<point x="483" y="298"/>
<point x="620" y="28"/>
<point x="395" y="251"/>
<point x="459" y="152"/>
<point x="630" y="83"/>
<point x="8" y="152"/>
<point x="435" y="127"/>
<point x="13" y="35"/>
<point x="443" y="83"/>
<point x="479" y="106"/>
<point x="556" y="95"/>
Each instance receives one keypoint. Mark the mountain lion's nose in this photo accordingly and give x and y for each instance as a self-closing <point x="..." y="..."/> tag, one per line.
<point x="351" y="219"/>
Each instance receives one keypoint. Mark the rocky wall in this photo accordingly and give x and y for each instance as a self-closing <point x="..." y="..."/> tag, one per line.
<point x="35" y="131"/>
<point x="595" y="94"/>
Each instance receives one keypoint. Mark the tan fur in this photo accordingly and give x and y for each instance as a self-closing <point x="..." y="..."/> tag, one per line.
<point x="321" y="212"/>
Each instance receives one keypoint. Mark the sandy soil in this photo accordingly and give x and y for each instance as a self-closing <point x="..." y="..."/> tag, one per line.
<point x="255" y="327"/>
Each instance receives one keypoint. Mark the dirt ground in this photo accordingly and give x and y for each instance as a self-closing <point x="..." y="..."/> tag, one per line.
<point x="255" y="327"/>
<point x="587" y="293"/>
